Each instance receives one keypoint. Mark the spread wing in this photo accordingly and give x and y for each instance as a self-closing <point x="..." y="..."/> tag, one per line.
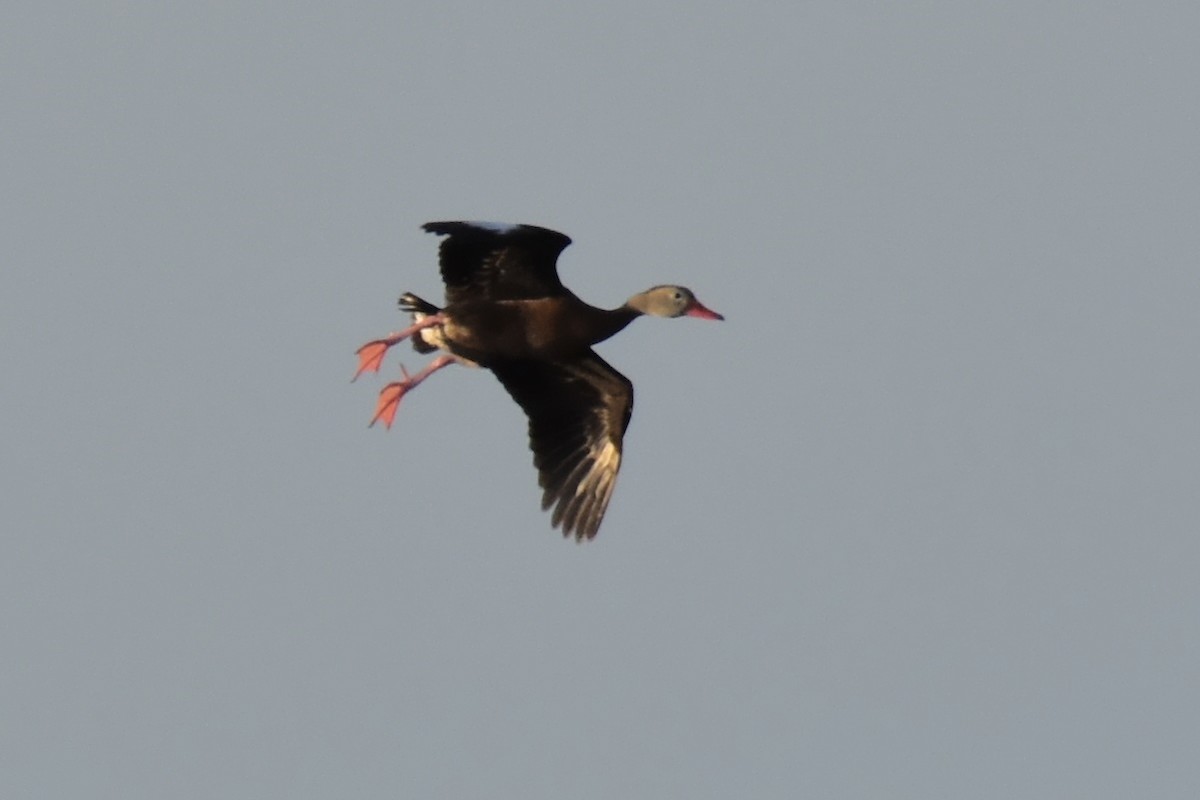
<point x="494" y="261"/>
<point x="578" y="411"/>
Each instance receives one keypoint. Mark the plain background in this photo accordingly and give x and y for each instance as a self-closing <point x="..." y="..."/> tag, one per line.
<point x="919" y="520"/>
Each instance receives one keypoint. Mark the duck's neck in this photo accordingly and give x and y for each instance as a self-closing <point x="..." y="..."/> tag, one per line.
<point x="609" y="322"/>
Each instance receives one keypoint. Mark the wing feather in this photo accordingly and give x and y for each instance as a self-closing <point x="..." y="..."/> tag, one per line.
<point x="490" y="261"/>
<point x="578" y="411"/>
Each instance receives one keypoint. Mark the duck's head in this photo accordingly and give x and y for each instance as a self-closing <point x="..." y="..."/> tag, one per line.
<point x="671" y="301"/>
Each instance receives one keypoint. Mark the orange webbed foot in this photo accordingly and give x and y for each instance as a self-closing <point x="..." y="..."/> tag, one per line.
<point x="393" y="393"/>
<point x="389" y="403"/>
<point x="389" y="400"/>
<point x="370" y="356"/>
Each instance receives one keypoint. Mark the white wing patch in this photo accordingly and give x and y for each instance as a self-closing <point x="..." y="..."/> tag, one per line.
<point x="596" y="489"/>
<point x="606" y="459"/>
<point x="494" y="227"/>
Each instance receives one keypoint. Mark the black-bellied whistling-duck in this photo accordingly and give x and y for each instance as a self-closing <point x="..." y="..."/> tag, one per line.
<point x="507" y="310"/>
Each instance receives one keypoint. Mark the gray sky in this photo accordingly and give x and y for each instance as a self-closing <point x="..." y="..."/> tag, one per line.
<point x="919" y="520"/>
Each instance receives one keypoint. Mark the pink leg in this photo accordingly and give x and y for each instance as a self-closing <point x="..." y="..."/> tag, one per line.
<point x="393" y="393"/>
<point x="370" y="355"/>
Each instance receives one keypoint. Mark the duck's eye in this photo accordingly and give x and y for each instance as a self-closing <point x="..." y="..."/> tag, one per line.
<point x="679" y="295"/>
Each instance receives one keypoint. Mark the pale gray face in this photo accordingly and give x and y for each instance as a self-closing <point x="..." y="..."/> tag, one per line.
<point x="669" y="301"/>
<point x="673" y="301"/>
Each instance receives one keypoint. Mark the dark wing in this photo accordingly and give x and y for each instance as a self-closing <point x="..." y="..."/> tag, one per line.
<point x="491" y="261"/>
<point x="578" y="411"/>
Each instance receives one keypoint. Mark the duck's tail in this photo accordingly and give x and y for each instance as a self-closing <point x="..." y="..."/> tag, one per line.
<point x="426" y="340"/>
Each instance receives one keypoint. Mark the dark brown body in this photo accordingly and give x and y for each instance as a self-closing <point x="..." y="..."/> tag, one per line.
<point x="549" y="328"/>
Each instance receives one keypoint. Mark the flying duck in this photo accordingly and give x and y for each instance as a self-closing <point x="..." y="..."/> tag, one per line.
<point x="506" y="310"/>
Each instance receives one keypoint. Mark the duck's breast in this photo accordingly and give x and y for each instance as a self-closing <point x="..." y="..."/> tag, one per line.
<point x="543" y="328"/>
